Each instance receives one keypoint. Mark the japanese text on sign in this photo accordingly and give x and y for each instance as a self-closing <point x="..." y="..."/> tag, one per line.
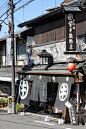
<point x="70" y="32"/>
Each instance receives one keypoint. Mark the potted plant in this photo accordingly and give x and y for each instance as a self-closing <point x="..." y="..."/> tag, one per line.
<point x="6" y="102"/>
<point x="19" y="107"/>
<point x="2" y="103"/>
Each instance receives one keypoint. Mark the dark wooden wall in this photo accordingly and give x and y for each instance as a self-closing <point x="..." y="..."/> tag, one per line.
<point x="56" y="30"/>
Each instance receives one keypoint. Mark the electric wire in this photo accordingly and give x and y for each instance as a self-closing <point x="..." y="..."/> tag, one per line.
<point x="7" y="15"/>
<point x="23" y="5"/>
<point x="3" y="7"/>
<point x="35" y="9"/>
<point x="8" y="10"/>
<point x="3" y="4"/>
<point x="4" y="13"/>
<point x="17" y="20"/>
<point x="17" y="2"/>
<point x="23" y="11"/>
<point x="16" y="9"/>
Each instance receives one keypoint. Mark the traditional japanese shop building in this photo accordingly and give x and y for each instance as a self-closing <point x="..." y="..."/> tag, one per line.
<point x="46" y="78"/>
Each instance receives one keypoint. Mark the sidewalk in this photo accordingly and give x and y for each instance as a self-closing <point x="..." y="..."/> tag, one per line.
<point x="5" y="109"/>
<point x="40" y="115"/>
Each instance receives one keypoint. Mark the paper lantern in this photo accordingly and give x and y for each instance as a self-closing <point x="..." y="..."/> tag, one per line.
<point x="71" y="66"/>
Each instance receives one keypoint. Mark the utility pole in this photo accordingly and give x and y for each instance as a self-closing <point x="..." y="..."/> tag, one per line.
<point x="12" y="54"/>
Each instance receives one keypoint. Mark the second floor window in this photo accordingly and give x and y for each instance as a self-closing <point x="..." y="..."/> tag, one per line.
<point x="21" y="52"/>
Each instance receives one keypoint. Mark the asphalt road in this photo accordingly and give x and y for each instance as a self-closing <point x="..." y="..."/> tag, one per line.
<point x="17" y="121"/>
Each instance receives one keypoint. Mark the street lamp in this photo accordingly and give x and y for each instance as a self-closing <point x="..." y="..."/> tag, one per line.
<point x="6" y="24"/>
<point x="1" y="25"/>
<point x="45" y="58"/>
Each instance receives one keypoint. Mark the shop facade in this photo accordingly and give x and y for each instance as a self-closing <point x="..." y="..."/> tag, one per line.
<point x="46" y="79"/>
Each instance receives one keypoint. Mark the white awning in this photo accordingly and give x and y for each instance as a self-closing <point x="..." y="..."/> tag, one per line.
<point x="8" y="79"/>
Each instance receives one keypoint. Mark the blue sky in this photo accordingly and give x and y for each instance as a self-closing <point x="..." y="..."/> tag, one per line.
<point x="30" y="11"/>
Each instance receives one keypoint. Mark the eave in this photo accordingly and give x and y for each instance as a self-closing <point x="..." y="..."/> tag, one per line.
<point x="43" y="19"/>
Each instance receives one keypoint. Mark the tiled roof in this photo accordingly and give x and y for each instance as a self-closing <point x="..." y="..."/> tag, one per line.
<point x="55" y="68"/>
<point x="15" y="33"/>
<point x="58" y="67"/>
<point x="7" y="71"/>
<point x="39" y="67"/>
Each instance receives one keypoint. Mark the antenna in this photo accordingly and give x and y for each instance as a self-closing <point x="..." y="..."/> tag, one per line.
<point x="42" y="6"/>
<point x="55" y="3"/>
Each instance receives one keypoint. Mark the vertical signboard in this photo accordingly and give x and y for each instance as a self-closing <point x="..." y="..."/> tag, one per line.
<point x="70" y="31"/>
<point x="8" y="51"/>
<point x="72" y="112"/>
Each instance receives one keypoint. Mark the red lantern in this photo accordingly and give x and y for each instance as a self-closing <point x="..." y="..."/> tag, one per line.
<point x="71" y="66"/>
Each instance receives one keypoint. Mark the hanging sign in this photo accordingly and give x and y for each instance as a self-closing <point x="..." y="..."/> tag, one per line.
<point x="63" y="93"/>
<point x="39" y="91"/>
<point x="70" y="31"/>
<point x="24" y="92"/>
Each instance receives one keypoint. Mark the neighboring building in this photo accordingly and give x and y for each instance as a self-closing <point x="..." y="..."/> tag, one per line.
<point x="20" y="42"/>
<point x="48" y="80"/>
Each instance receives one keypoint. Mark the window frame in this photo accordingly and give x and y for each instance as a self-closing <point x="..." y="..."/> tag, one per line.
<point x="24" y="57"/>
